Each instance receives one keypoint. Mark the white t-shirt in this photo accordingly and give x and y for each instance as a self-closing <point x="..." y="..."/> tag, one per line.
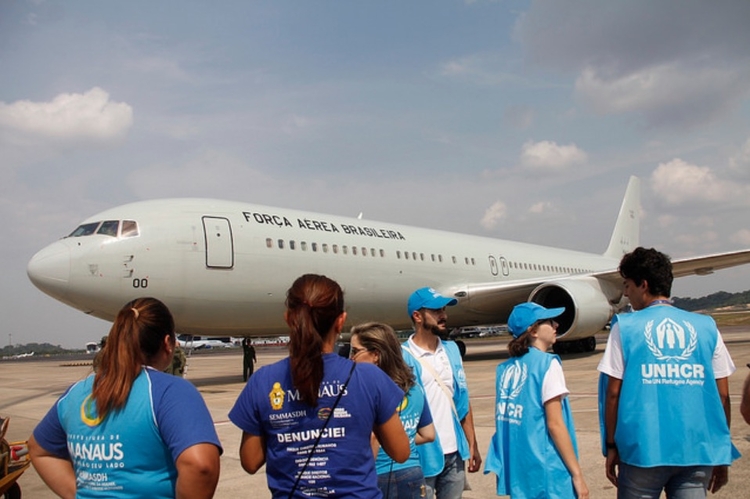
<point x="440" y="404"/>
<point x="553" y="384"/>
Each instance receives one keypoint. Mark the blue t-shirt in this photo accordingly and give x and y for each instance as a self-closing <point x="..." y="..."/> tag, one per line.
<point x="131" y="452"/>
<point x="343" y="464"/>
<point x="415" y="414"/>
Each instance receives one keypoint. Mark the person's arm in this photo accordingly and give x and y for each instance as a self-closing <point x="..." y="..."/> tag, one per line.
<point x="475" y="459"/>
<point x="252" y="452"/>
<point x="425" y="434"/>
<point x="720" y="475"/>
<point x="55" y="471"/>
<point x="745" y="403"/>
<point x="393" y="439"/>
<point x="560" y="436"/>
<point x="612" y="405"/>
<point x="374" y="444"/>
<point x="197" y="472"/>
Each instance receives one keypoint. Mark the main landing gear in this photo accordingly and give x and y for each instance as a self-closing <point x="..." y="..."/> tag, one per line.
<point x="575" y="346"/>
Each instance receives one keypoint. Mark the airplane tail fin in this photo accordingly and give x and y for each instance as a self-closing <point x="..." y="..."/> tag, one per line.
<point x="626" y="236"/>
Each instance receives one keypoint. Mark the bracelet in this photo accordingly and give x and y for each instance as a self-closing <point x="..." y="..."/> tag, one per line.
<point x="611" y="445"/>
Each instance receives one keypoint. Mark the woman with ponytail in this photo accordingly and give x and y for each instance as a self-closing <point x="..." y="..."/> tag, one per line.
<point x="130" y="430"/>
<point x="311" y="414"/>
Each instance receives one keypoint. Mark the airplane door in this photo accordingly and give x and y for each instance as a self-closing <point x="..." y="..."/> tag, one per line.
<point x="493" y="265"/>
<point x="504" y="266"/>
<point x="219" y="244"/>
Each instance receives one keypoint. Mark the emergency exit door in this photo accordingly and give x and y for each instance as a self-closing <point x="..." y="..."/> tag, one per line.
<point x="219" y="243"/>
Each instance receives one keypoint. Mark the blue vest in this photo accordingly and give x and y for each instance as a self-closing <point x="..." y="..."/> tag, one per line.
<point x="121" y="455"/>
<point x="410" y="413"/>
<point x="522" y="453"/>
<point x="670" y="413"/>
<point x="431" y="454"/>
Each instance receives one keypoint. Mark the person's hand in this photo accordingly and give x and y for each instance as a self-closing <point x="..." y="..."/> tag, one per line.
<point x="475" y="461"/>
<point x="581" y="488"/>
<point x="612" y="465"/>
<point x="719" y="478"/>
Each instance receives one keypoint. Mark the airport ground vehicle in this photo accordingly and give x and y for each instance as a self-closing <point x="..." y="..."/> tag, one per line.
<point x="14" y="460"/>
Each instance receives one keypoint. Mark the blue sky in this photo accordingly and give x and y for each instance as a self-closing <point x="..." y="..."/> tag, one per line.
<point x="512" y="119"/>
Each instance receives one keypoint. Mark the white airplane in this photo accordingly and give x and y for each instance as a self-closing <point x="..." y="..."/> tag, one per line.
<point x="223" y="267"/>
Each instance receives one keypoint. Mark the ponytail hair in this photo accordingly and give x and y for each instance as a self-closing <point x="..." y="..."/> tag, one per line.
<point x="313" y="304"/>
<point x="518" y="347"/>
<point x="136" y="337"/>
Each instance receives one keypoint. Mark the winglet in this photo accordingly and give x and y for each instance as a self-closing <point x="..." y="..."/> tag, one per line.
<point x="626" y="235"/>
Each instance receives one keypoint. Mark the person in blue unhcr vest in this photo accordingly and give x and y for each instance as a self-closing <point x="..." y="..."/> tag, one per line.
<point x="439" y="370"/>
<point x="130" y="430"/>
<point x="376" y="343"/>
<point x="660" y="362"/>
<point x="533" y="451"/>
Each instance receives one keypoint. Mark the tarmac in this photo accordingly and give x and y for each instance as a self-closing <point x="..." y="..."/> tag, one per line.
<point x="29" y="387"/>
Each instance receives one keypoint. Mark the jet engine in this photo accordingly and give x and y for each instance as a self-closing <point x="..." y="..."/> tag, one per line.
<point x="589" y="305"/>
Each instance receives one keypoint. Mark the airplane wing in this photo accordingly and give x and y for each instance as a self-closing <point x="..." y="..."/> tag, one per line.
<point x="704" y="265"/>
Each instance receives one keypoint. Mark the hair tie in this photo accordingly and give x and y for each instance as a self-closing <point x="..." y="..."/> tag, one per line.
<point x="135" y="311"/>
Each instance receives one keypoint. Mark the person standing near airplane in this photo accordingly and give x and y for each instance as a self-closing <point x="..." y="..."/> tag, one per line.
<point x="439" y="370"/>
<point x="130" y="430"/>
<point x="376" y="343"/>
<point x="311" y="415"/>
<point x="661" y="364"/>
<point x="533" y="451"/>
<point x="248" y="358"/>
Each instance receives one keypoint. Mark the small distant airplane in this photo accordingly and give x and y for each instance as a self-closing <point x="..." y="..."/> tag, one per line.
<point x="223" y="267"/>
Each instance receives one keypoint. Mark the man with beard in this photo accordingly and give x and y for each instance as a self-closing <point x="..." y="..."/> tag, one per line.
<point x="438" y="368"/>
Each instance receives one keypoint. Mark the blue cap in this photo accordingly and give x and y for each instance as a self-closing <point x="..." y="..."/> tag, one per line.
<point x="524" y="315"/>
<point x="428" y="298"/>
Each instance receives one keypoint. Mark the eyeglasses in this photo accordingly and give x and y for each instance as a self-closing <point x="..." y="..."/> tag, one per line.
<point x="354" y="351"/>
<point x="551" y="322"/>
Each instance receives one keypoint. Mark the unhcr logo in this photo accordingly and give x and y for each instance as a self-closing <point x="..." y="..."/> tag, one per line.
<point x="671" y="342"/>
<point x="512" y="380"/>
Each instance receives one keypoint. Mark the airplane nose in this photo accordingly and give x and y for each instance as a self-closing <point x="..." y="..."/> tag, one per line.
<point x="49" y="269"/>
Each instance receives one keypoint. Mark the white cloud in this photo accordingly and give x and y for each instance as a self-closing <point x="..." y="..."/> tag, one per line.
<point x="667" y="94"/>
<point x="540" y="207"/>
<point x="549" y="156"/>
<point x="677" y="183"/>
<point x="69" y="117"/>
<point x="494" y="215"/>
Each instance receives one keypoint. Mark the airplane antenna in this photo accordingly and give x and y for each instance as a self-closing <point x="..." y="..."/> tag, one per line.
<point x="359" y="217"/>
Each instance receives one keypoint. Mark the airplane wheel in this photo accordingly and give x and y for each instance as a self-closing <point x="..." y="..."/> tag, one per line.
<point x="461" y="348"/>
<point x="590" y="344"/>
<point x="14" y="492"/>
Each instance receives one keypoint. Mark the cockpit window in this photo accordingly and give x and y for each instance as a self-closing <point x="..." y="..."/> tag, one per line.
<point x="129" y="228"/>
<point x="85" y="229"/>
<point x="109" y="228"/>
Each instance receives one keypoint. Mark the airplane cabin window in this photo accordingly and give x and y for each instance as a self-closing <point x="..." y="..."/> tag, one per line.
<point x="364" y="251"/>
<point x="414" y="255"/>
<point x="314" y="246"/>
<point x="466" y="260"/>
<point x="335" y="248"/>
<point x="109" y="228"/>
<point x="303" y="245"/>
<point x="421" y="256"/>
<point x="398" y="254"/>
<point x="372" y="252"/>
<point x="281" y="244"/>
<point x="382" y="253"/>
<point x="440" y="258"/>
<point x="269" y="242"/>
<point x="433" y="257"/>
<point x="291" y="244"/>
<point x="130" y="229"/>
<point x="472" y="261"/>
<point x="325" y="247"/>
<point x="354" y="250"/>
<point x="454" y="259"/>
<point x="406" y="255"/>
<point x="85" y="229"/>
